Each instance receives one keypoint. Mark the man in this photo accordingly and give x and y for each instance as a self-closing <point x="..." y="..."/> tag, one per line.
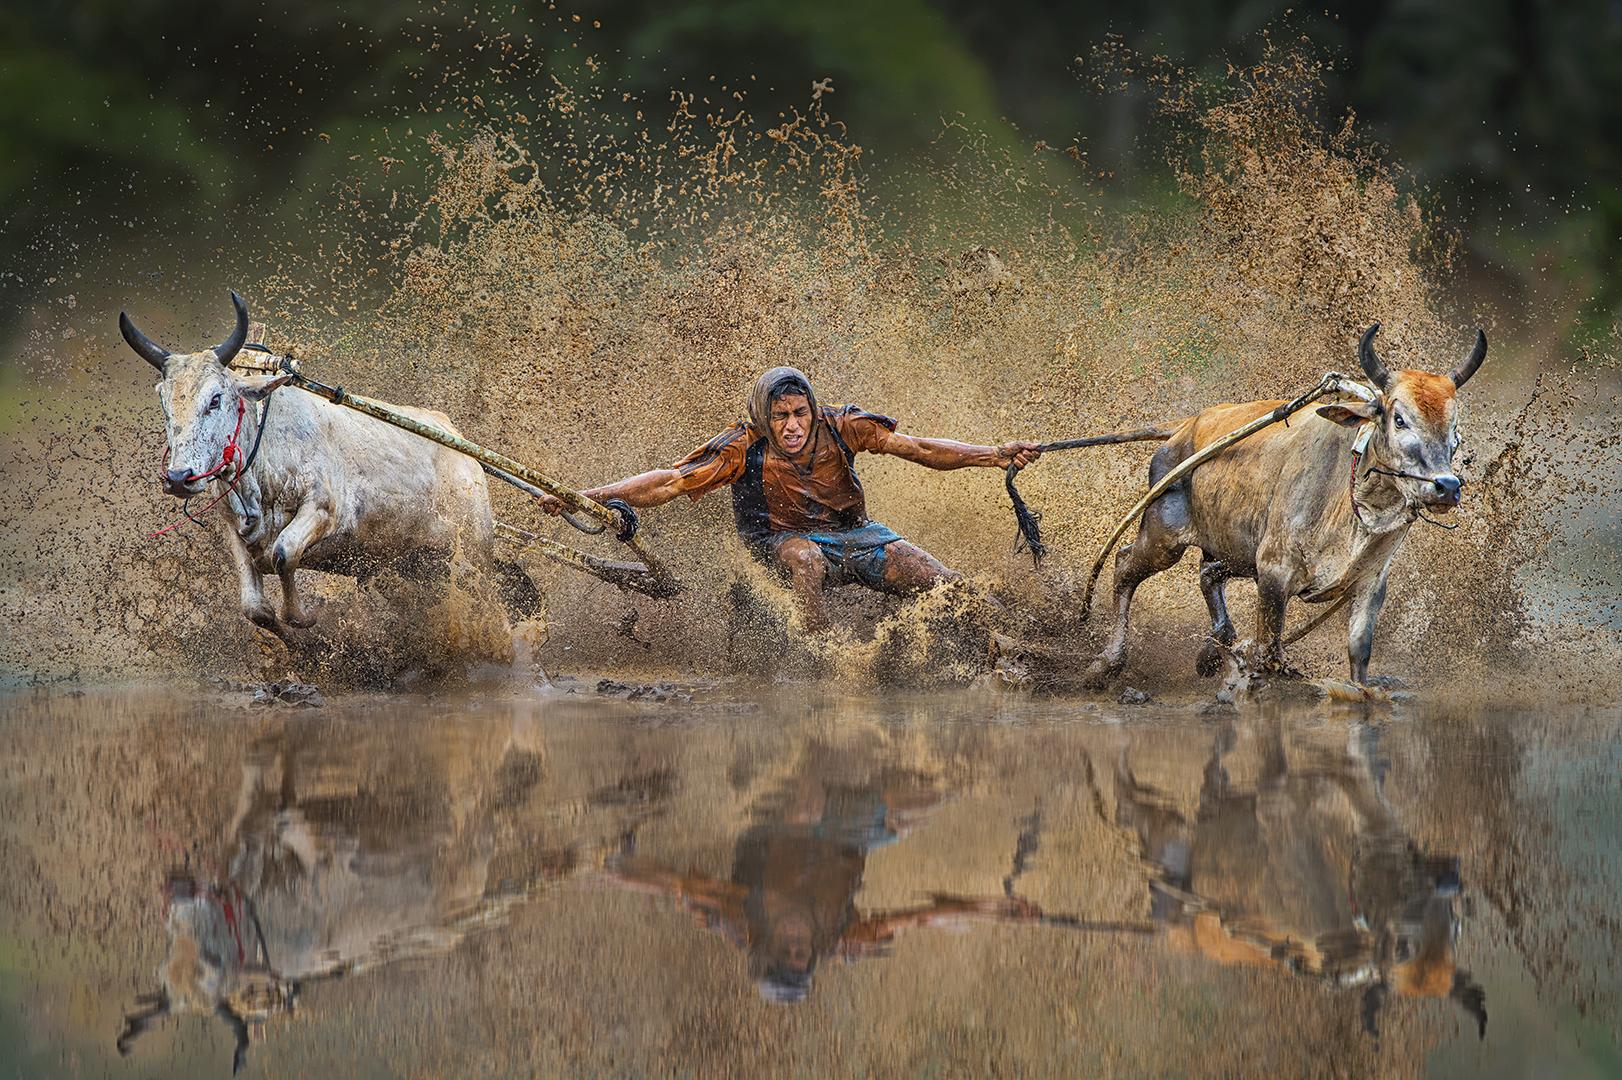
<point x="796" y="497"/>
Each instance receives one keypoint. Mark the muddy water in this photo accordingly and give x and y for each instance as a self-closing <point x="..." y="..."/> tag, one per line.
<point x="806" y="882"/>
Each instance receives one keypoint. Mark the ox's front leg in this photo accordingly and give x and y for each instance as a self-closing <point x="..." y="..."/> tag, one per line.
<point x="1272" y="595"/>
<point x="312" y="522"/>
<point x="249" y="581"/>
<point x="1360" y="631"/>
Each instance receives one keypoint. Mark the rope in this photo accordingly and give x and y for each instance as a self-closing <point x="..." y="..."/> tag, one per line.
<point x="656" y="580"/>
<point x="1029" y="536"/>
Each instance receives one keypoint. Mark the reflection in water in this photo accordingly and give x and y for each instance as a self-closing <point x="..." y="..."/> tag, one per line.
<point x="1303" y="868"/>
<point x="791" y="899"/>
<point x="346" y="853"/>
<point x="1287" y="878"/>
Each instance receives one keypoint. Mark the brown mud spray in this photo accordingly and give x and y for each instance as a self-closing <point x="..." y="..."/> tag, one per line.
<point x="596" y="299"/>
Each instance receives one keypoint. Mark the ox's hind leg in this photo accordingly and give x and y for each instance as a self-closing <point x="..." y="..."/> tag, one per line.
<point x="1273" y="592"/>
<point x="1160" y="542"/>
<point x="1141" y="560"/>
<point x="1214" y="577"/>
<point x="311" y="523"/>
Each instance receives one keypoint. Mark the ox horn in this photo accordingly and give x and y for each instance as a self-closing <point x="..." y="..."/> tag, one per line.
<point x="154" y="1007"/>
<point x="1472" y="999"/>
<point x="1373" y="366"/>
<point x="1462" y="373"/>
<point x="239" y="1028"/>
<point x="227" y="350"/>
<point x="144" y="347"/>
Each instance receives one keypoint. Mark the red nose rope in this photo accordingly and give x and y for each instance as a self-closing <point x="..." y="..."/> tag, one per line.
<point x="231" y="452"/>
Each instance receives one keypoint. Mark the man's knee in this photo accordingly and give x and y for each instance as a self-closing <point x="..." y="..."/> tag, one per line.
<point x="911" y="567"/>
<point x="802" y="559"/>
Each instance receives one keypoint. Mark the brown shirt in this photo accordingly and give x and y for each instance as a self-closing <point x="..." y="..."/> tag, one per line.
<point x="818" y="492"/>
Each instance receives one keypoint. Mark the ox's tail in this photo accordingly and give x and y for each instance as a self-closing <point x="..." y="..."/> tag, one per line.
<point x="1030" y="532"/>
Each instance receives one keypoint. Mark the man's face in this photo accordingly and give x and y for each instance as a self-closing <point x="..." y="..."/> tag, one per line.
<point x="791" y="422"/>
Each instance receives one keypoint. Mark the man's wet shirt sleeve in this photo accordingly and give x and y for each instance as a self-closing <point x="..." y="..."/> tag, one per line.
<point x="860" y="429"/>
<point x="715" y="464"/>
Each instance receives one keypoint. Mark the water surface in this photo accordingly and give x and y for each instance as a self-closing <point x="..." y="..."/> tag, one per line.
<point x="805" y="883"/>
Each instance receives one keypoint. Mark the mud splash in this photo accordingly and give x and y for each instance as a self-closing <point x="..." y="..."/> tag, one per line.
<point x="595" y="299"/>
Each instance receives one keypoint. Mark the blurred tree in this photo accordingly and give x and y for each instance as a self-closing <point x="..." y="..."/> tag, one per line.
<point x="121" y="120"/>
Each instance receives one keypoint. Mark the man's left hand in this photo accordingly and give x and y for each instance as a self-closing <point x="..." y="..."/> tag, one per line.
<point x="1019" y="454"/>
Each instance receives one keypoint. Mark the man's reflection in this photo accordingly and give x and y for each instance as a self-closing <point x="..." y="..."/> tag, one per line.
<point x="1305" y="868"/>
<point x="791" y="899"/>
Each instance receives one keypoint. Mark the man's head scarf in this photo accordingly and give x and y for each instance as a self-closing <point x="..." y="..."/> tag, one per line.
<point x="760" y="399"/>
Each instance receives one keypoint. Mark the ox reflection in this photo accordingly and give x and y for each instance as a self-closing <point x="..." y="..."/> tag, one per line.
<point x="351" y="850"/>
<point x="790" y="900"/>
<point x="1304" y="868"/>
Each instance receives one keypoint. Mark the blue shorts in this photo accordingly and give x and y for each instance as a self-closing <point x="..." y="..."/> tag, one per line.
<point x="855" y="556"/>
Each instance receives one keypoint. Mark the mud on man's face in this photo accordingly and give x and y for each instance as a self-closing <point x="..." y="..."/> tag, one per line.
<point x="790" y="419"/>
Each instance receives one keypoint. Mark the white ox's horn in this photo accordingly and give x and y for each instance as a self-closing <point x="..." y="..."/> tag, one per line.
<point x="144" y="347"/>
<point x="157" y="355"/>
<point x="227" y="350"/>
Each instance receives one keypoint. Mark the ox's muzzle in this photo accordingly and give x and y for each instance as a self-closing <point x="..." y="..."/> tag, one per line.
<point x="1445" y="490"/>
<point x="181" y="483"/>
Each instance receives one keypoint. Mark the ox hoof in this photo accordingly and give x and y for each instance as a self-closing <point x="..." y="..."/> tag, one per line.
<point x="301" y="619"/>
<point x="263" y="617"/>
<point x="1099" y="673"/>
<point x="1212" y="660"/>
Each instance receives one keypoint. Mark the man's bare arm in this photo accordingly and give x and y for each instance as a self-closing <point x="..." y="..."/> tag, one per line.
<point x="950" y="454"/>
<point x="652" y="488"/>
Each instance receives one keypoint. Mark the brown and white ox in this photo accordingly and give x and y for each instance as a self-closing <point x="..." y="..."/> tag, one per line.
<point x="329" y="489"/>
<point x="1296" y="862"/>
<point x="1290" y="507"/>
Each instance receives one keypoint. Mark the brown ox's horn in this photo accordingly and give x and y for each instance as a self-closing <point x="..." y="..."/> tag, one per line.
<point x="227" y="350"/>
<point x="239" y="1028"/>
<point x="144" y="347"/>
<point x="1472" y="999"/>
<point x="1373" y="366"/>
<point x="1462" y="373"/>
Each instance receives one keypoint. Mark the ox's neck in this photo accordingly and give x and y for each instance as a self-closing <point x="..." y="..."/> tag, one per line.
<point x="1381" y="507"/>
<point x="1359" y="540"/>
<point x="256" y="488"/>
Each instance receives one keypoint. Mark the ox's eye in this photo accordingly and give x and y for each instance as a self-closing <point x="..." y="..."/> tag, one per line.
<point x="1398" y="422"/>
<point x="213" y="403"/>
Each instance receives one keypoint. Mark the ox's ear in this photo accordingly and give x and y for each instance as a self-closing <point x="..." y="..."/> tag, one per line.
<point x="258" y="387"/>
<point x="1350" y="415"/>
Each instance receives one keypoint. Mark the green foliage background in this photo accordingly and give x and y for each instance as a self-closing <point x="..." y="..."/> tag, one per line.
<point x="139" y="134"/>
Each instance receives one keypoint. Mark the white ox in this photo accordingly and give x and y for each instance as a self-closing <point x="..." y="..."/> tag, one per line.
<point x="329" y="489"/>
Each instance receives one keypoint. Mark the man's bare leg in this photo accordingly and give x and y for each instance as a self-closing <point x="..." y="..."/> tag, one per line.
<point x="910" y="569"/>
<point x="806" y="570"/>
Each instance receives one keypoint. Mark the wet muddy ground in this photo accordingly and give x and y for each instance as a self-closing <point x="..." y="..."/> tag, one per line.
<point x="803" y="881"/>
